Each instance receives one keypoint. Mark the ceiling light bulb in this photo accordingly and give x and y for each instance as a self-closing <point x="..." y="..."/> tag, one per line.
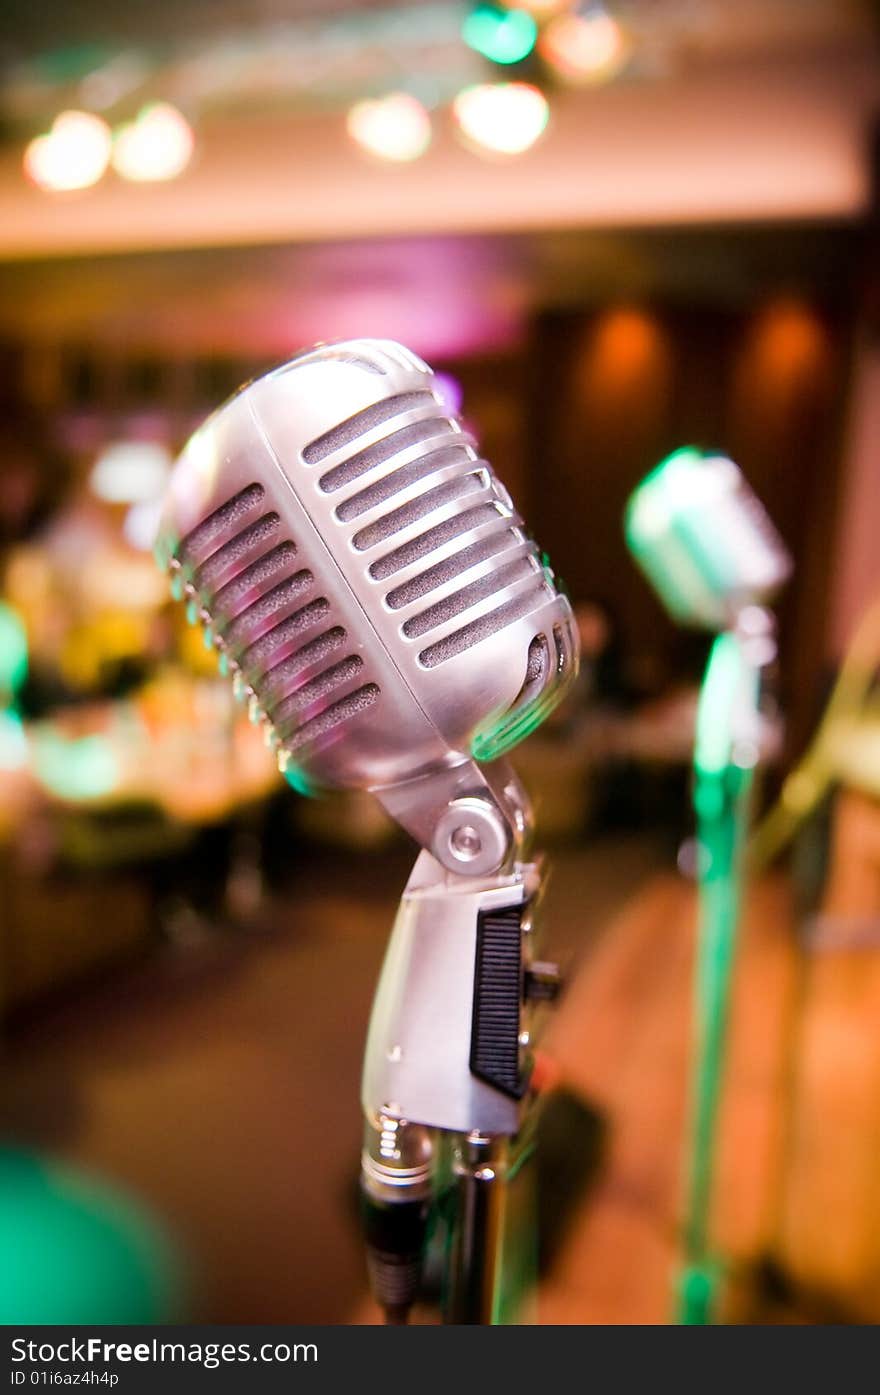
<point x="157" y="145"/>
<point x="505" y="118"/>
<point x="587" y="47"/>
<point x="396" y="127"/>
<point x="72" y="155"/>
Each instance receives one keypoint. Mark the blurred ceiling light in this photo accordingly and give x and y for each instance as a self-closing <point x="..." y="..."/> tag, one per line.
<point x="73" y="154"/>
<point x="158" y="144"/>
<point x="130" y="472"/>
<point x="543" y="9"/>
<point x="503" y="117"/>
<point x="586" y="46"/>
<point x="396" y="127"/>
<point x="502" y="36"/>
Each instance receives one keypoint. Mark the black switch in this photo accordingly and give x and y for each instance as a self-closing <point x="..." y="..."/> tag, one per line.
<point x="498" y="988"/>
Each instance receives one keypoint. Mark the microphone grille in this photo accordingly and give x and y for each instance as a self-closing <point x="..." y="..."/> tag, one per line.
<point x="468" y="525"/>
<point x="276" y="633"/>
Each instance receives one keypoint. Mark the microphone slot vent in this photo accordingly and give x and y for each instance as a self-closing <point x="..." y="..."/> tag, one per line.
<point x="244" y="589"/>
<point x="362" y="422"/>
<point x="468" y="596"/>
<point x="538" y="664"/>
<point x="279" y="682"/>
<point x="202" y="540"/>
<point x="342" y="711"/>
<point x="393" y="483"/>
<point x="398" y="519"/>
<point x="244" y="628"/>
<point x="271" y="645"/>
<point x="435" y="537"/>
<point x="450" y="568"/>
<point x="291" y="709"/>
<point x="426" y="429"/>
<point x="483" y="628"/>
<point x="234" y="554"/>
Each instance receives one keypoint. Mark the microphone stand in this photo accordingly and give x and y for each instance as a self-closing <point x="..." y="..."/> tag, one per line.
<point x="726" y="752"/>
<point x="447" y="1065"/>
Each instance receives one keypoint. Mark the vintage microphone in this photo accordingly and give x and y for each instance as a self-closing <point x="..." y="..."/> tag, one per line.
<point x="373" y="593"/>
<point x="704" y="541"/>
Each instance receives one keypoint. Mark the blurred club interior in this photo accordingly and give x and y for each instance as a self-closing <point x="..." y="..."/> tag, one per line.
<point x="614" y="229"/>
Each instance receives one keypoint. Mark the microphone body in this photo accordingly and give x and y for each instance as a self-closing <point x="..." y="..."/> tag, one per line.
<point x="375" y="596"/>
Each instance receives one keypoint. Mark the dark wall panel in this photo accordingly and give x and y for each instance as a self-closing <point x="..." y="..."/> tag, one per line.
<point x="612" y="391"/>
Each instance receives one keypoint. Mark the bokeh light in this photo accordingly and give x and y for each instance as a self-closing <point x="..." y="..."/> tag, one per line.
<point x="130" y="472"/>
<point x="141" y="524"/>
<point x="504" y="118"/>
<point x="14" y="751"/>
<point x="396" y="127"/>
<point x="157" y="145"/>
<point x="13" y="654"/>
<point x="502" y="36"/>
<point x="72" y="155"/>
<point x="81" y="768"/>
<point x="588" y="47"/>
<point x="543" y="9"/>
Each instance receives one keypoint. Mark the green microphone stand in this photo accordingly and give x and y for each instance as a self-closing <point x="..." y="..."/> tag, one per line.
<point x="706" y="545"/>
<point x="724" y="758"/>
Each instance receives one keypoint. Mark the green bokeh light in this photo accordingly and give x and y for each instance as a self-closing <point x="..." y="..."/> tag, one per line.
<point x="13" y="742"/>
<point x="84" y="768"/>
<point x="502" y="36"/>
<point x="13" y="655"/>
<point x="77" y="1252"/>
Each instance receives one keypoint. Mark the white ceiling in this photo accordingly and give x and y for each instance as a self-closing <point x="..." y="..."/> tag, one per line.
<point x="748" y="141"/>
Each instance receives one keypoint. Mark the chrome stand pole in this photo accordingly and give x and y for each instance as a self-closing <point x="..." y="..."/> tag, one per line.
<point x="480" y="1166"/>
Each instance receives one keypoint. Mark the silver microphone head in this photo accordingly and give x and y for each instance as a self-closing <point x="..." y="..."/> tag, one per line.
<point x="704" y="539"/>
<point x="363" y="573"/>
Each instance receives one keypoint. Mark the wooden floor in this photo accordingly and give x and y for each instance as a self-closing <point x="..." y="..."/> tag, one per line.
<point x="622" y="1038"/>
<point x="221" y="1087"/>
